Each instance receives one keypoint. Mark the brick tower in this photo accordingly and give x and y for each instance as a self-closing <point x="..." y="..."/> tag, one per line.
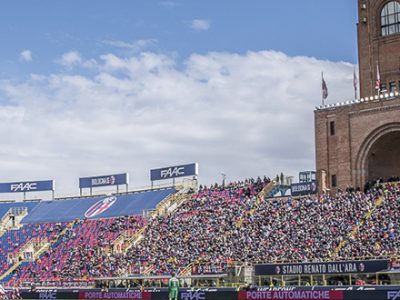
<point x="379" y="45"/>
<point x="359" y="141"/>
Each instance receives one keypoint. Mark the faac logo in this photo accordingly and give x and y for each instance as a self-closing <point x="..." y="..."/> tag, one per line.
<point x="189" y="295"/>
<point x="393" y="295"/>
<point x="24" y="187"/>
<point x="173" y="172"/>
<point x="100" y="207"/>
<point x="48" y="295"/>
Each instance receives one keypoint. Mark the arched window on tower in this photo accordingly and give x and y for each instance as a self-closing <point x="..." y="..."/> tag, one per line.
<point x="390" y="18"/>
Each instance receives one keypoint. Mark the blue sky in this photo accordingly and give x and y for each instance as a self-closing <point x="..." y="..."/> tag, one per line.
<point x="318" y="28"/>
<point x="102" y="87"/>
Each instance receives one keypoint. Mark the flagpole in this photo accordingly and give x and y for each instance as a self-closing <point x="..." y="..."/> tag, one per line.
<point x="355" y="83"/>
<point x="378" y="79"/>
<point x="324" y="89"/>
<point x="323" y="99"/>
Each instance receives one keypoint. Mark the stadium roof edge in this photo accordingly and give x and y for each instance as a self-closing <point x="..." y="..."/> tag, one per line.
<point x="375" y="98"/>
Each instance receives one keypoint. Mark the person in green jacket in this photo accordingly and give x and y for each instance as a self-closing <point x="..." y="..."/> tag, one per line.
<point x="173" y="287"/>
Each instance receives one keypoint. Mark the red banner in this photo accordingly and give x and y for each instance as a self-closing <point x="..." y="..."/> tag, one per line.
<point x="291" y="295"/>
<point x="123" y="295"/>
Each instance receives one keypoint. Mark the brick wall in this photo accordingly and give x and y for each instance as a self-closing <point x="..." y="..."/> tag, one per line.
<point x="359" y="129"/>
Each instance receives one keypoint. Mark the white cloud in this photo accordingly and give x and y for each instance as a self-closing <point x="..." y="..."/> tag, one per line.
<point x="200" y="24"/>
<point x="25" y="55"/>
<point x="70" y="59"/>
<point x="245" y="115"/>
<point x="134" y="47"/>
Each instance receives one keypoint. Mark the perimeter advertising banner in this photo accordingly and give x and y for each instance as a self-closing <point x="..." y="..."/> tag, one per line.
<point x="197" y="294"/>
<point x="267" y="293"/>
<point x="115" y="295"/>
<point x="304" y="188"/>
<point x="337" y="267"/>
<point x="27" y="186"/>
<point x="174" y="171"/>
<point x="105" y="180"/>
<point x="290" y="295"/>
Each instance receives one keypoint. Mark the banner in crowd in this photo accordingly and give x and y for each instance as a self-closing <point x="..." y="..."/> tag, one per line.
<point x="27" y="186"/>
<point x="105" y="180"/>
<point x="304" y="188"/>
<point x="337" y="267"/>
<point x="174" y="171"/>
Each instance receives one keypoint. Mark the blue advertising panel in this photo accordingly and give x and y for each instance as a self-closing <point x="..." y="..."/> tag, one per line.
<point x="90" y="182"/>
<point x="304" y="188"/>
<point x="174" y="171"/>
<point x="27" y="186"/>
<point x="334" y="267"/>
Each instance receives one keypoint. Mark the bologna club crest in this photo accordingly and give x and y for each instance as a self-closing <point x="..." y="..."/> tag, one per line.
<point x="100" y="207"/>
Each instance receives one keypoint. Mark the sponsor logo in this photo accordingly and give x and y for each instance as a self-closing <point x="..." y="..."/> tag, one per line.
<point x="173" y="172"/>
<point x="100" y="207"/>
<point x="393" y="295"/>
<point x="278" y="270"/>
<point x="306" y="294"/>
<point x="361" y="267"/>
<point x="189" y="295"/>
<point x="24" y="187"/>
<point x="109" y="180"/>
<point x="113" y="295"/>
<point x="313" y="186"/>
<point x="48" y="295"/>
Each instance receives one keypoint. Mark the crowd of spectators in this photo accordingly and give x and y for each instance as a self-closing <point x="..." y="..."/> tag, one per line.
<point x="221" y="224"/>
<point x="378" y="235"/>
<point x="12" y="241"/>
<point x="226" y="224"/>
<point x="308" y="229"/>
<point x="198" y="231"/>
<point x="81" y="251"/>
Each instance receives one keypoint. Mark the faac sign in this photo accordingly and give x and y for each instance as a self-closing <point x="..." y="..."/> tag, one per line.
<point x="116" y="179"/>
<point x="27" y="186"/>
<point x="174" y="171"/>
<point x="48" y="295"/>
<point x="193" y="295"/>
<point x="393" y="295"/>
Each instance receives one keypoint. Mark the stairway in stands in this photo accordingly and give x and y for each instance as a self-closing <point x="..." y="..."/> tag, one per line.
<point x="259" y="198"/>
<point x="356" y="229"/>
<point x="38" y="246"/>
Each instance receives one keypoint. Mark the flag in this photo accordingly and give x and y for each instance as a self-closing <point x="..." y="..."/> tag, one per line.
<point x="355" y="82"/>
<point x="324" y="88"/>
<point x="378" y="79"/>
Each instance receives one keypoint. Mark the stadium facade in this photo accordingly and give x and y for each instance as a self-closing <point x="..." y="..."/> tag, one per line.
<point x="230" y="241"/>
<point x="357" y="141"/>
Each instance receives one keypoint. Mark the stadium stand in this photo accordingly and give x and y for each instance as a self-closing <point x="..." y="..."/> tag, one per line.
<point x="68" y="231"/>
<point x="80" y="251"/>
<point x="120" y="205"/>
<point x="12" y="242"/>
<point x="6" y="206"/>
<point x="199" y="230"/>
<point x="217" y="226"/>
<point x="378" y="233"/>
